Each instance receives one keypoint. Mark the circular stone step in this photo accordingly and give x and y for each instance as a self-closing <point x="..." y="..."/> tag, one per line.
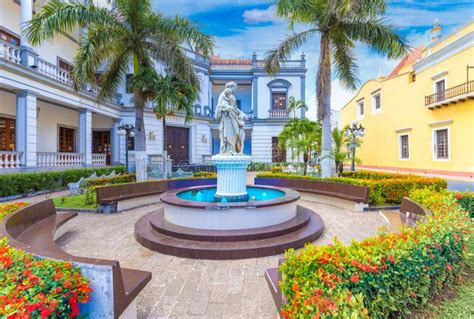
<point x="160" y="225"/>
<point x="197" y="249"/>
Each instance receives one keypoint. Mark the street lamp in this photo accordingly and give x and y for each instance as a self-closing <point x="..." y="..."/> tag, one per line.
<point x="355" y="132"/>
<point x="129" y="131"/>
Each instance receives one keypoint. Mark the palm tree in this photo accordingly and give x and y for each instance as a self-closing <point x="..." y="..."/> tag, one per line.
<point x="287" y="137"/>
<point x="340" y="140"/>
<point x="131" y="33"/>
<point x="294" y="105"/>
<point x="340" y="23"/>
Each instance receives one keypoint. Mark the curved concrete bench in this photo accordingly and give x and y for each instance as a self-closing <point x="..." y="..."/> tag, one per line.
<point x="117" y="198"/>
<point x="409" y="214"/>
<point x="32" y="229"/>
<point x="353" y="197"/>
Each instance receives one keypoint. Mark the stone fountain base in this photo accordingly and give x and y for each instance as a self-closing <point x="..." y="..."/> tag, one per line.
<point x="231" y="177"/>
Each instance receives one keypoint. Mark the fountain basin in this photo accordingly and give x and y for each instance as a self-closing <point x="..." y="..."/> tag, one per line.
<point x="183" y="207"/>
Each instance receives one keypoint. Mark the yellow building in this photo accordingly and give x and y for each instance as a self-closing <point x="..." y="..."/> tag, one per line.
<point x="420" y="118"/>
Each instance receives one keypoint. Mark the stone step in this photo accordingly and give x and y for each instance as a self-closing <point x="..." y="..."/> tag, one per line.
<point x="160" y="225"/>
<point x="153" y="240"/>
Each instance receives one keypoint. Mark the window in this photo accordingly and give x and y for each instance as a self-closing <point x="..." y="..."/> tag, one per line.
<point x="278" y="153"/>
<point x="67" y="140"/>
<point x="376" y="105"/>
<point x="128" y="89"/>
<point x="9" y="38"/>
<point x="412" y="77"/>
<point x="440" y="87"/>
<point x="131" y="143"/>
<point x="239" y="104"/>
<point x="404" y="147"/>
<point x="360" y="109"/>
<point x="441" y="144"/>
<point x="64" y="65"/>
<point x="7" y="134"/>
<point x="278" y="101"/>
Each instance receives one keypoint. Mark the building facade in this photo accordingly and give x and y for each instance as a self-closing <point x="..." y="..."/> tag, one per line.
<point x="45" y="123"/>
<point x="421" y="117"/>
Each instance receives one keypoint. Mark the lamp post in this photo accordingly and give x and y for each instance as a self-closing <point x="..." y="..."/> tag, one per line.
<point x="129" y="131"/>
<point x="355" y="132"/>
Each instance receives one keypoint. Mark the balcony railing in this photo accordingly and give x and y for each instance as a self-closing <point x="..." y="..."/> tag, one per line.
<point x="10" y="159"/>
<point x="10" y="53"/>
<point x="247" y="65"/>
<point x="47" y="159"/>
<point x="278" y="114"/>
<point x="450" y="95"/>
<point x="99" y="159"/>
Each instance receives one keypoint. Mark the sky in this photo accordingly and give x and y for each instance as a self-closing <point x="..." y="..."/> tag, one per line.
<point x="241" y="27"/>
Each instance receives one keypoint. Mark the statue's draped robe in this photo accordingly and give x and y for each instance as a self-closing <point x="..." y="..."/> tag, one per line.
<point x="231" y="121"/>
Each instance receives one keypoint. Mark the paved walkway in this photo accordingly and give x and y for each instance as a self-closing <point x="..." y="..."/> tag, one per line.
<point x="187" y="288"/>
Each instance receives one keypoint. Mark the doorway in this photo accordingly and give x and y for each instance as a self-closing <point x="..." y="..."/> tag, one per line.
<point x="101" y="144"/>
<point x="178" y="144"/>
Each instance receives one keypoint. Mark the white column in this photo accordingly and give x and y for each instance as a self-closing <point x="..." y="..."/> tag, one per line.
<point x="85" y="135"/>
<point x="26" y="113"/>
<point x="28" y="55"/>
<point x="115" y="139"/>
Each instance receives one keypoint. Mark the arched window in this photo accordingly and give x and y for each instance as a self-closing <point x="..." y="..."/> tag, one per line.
<point x="278" y="94"/>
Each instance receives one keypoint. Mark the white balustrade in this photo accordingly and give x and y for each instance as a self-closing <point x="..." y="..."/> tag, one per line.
<point x="231" y="67"/>
<point x="46" y="159"/>
<point x="99" y="159"/>
<point x="278" y="113"/>
<point x="10" y="159"/>
<point x="53" y="71"/>
<point x="10" y="52"/>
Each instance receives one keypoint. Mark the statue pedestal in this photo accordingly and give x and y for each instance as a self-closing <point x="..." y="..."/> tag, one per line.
<point x="231" y="177"/>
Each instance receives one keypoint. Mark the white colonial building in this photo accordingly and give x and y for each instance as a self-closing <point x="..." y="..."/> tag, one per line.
<point x="44" y="122"/>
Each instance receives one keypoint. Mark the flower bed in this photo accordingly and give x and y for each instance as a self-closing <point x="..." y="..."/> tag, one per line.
<point x="384" y="188"/>
<point x="381" y="277"/>
<point x="466" y="200"/>
<point x="31" y="287"/>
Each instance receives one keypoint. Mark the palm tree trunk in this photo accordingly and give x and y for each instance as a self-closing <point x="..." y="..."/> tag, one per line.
<point x="141" y="157"/>
<point x="165" y="147"/>
<point x="323" y="88"/>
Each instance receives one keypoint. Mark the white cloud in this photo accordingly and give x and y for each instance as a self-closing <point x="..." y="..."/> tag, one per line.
<point x="189" y="7"/>
<point x="256" y="16"/>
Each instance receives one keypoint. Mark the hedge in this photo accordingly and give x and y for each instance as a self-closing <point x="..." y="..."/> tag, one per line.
<point x="38" y="288"/>
<point x="25" y="183"/>
<point x="387" y="276"/>
<point x="384" y="188"/>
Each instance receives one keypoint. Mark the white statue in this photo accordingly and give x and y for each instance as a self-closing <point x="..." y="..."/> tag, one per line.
<point x="231" y="122"/>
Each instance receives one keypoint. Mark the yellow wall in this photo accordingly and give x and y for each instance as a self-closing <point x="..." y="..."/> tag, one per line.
<point x="403" y="106"/>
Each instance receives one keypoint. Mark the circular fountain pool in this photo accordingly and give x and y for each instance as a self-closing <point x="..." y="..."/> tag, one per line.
<point x="196" y="207"/>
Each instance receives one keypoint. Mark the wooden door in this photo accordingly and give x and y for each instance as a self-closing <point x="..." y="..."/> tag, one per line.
<point x="178" y="144"/>
<point x="101" y="144"/>
<point x="278" y="153"/>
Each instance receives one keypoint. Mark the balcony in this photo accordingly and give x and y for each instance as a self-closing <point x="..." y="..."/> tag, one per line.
<point x="452" y="95"/>
<point x="278" y="114"/>
<point x="11" y="54"/>
<point x="10" y="159"/>
<point x="248" y="65"/>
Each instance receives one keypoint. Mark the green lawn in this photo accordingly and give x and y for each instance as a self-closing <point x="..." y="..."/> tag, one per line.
<point x="458" y="303"/>
<point x="75" y="201"/>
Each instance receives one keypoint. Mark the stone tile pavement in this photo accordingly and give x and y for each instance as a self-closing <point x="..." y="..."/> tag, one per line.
<point x="187" y="288"/>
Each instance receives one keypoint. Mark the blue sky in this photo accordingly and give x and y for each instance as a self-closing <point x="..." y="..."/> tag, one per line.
<point x="241" y="27"/>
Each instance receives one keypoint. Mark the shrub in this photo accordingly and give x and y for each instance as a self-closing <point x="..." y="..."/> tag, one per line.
<point x="384" y="188"/>
<point x="259" y="166"/>
<point x="466" y="201"/>
<point x="381" y="277"/>
<point x="25" y="183"/>
<point x="120" y="179"/>
<point x="204" y="174"/>
<point x="38" y="288"/>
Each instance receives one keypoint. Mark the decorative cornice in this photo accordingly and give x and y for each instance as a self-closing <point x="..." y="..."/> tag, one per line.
<point x="403" y="130"/>
<point x="441" y="123"/>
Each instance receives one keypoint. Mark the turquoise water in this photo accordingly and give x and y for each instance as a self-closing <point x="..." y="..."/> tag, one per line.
<point x="207" y="194"/>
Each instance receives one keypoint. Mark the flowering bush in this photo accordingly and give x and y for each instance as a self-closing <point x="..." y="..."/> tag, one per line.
<point x="466" y="200"/>
<point x="31" y="287"/>
<point x="381" y="277"/>
<point x="6" y="209"/>
<point x="385" y="188"/>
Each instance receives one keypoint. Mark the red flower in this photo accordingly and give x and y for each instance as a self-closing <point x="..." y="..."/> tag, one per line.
<point x="449" y="267"/>
<point x="355" y="277"/>
<point x="45" y="312"/>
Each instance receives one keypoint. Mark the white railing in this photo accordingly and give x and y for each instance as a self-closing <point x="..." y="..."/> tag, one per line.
<point x="53" y="71"/>
<point x="231" y="67"/>
<point x="278" y="113"/>
<point x="46" y="159"/>
<point x="10" y="52"/>
<point x="99" y="159"/>
<point x="10" y="159"/>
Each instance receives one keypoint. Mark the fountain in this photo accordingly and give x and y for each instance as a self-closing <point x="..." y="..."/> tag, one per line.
<point x="230" y="220"/>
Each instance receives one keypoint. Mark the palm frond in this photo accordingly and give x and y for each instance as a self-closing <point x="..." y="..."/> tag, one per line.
<point x="56" y="16"/>
<point x="273" y="58"/>
<point x="344" y="60"/>
<point x="378" y="34"/>
<point x="116" y="70"/>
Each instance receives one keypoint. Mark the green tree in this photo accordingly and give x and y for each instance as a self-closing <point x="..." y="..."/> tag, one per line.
<point x="338" y="152"/>
<point x="295" y="105"/>
<point x="340" y="24"/>
<point x="131" y="33"/>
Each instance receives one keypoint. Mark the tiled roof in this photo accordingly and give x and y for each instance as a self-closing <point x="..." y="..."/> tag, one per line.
<point x="218" y="60"/>
<point x="411" y="58"/>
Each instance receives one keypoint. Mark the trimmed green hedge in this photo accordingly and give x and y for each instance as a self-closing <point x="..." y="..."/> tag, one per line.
<point x="387" y="276"/>
<point x="25" y="183"/>
<point x="384" y="188"/>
